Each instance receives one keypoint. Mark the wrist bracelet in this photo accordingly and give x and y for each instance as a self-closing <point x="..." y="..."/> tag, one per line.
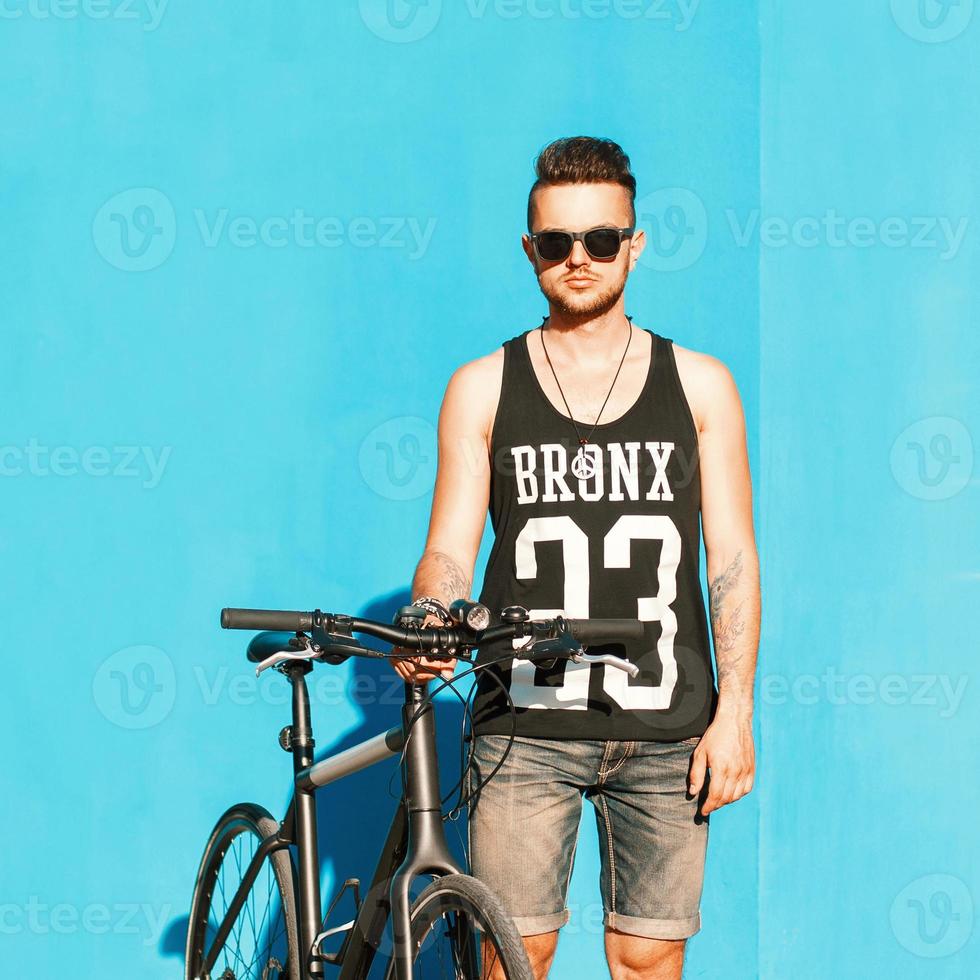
<point x="435" y="606"/>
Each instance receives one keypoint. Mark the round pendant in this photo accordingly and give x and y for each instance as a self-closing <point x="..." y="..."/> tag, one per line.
<point x="583" y="467"/>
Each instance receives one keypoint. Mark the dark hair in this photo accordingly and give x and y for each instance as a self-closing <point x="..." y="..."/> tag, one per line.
<point x="582" y="160"/>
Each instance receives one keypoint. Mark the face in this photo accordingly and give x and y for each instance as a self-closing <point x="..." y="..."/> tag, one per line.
<point x="579" y="286"/>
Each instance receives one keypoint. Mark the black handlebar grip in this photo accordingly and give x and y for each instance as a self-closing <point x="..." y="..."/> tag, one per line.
<point x="265" y="619"/>
<point x="605" y="630"/>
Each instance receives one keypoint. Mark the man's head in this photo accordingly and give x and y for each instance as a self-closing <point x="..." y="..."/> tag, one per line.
<point x="582" y="184"/>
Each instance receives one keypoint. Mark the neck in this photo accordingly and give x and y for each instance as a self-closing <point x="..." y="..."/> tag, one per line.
<point x="583" y="341"/>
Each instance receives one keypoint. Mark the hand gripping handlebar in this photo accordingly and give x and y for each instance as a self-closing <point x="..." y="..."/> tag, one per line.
<point x="332" y="635"/>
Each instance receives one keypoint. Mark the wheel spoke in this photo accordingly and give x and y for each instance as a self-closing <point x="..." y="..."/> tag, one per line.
<point x="456" y="927"/>
<point x="260" y="943"/>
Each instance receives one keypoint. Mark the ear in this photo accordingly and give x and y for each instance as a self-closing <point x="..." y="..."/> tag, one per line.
<point x="637" y="243"/>
<point x="528" y="247"/>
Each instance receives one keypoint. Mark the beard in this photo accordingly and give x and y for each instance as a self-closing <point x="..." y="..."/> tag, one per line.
<point x="580" y="309"/>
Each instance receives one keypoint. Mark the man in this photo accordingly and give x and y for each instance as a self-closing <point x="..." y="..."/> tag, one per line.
<point x="598" y="446"/>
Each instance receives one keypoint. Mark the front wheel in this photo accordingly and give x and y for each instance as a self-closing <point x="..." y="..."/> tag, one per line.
<point x="448" y="918"/>
<point x="262" y="943"/>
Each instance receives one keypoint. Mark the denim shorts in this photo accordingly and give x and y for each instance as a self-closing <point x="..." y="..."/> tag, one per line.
<point x="523" y="830"/>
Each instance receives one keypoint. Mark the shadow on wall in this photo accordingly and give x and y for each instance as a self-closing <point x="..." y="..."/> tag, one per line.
<point x="355" y="813"/>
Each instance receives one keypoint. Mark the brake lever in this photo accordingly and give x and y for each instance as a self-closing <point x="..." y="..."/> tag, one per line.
<point x="566" y="646"/>
<point x="284" y="656"/>
<point x="329" y="647"/>
<point x="606" y="658"/>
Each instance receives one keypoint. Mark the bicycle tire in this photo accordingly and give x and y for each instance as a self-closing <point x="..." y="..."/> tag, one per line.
<point x="463" y="894"/>
<point x="238" y="834"/>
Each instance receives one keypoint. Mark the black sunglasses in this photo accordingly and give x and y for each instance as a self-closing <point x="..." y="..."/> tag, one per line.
<point x="600" y="243"/>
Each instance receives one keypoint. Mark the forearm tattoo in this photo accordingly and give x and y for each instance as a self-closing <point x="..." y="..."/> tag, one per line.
<point x="727" y="623"/>
<point x="450" y="579"/>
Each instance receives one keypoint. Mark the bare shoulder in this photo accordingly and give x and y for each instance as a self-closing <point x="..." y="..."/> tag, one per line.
<point x="474" y="390"/>
<point x="707" y="383"/>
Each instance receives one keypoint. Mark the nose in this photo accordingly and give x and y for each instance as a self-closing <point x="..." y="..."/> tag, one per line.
<point x="578" y="255"/>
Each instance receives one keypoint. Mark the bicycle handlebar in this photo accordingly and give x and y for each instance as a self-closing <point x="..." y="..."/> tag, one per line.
<point x="585" y="631"/>
<point x="265" y="619"/>
<point x="605" y="630"/>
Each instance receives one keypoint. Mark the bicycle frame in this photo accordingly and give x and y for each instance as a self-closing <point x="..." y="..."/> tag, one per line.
<point x="415" y="844"/>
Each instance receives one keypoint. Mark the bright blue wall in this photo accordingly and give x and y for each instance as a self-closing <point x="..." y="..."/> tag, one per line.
<point x="281" y="402"/>
<point x="868" y="363"/>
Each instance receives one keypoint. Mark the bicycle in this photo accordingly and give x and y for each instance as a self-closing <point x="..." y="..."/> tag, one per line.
<point x="282" y="934"/>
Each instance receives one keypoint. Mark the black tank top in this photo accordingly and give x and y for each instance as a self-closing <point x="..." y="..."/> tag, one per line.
<point x="623" y="542"/>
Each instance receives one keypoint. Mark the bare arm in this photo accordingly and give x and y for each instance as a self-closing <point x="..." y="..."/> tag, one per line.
<point x="461" y="495"/>
<point x="439" y="574"/>
<point x="735" y="617"/>
<point x="733" y="580"/>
